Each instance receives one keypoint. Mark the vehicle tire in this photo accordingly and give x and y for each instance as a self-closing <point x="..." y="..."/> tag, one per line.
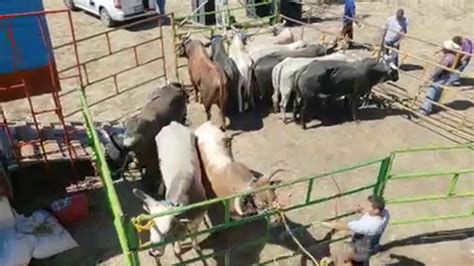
<point x="70" y="5"/>
<point x="105" y="18"/>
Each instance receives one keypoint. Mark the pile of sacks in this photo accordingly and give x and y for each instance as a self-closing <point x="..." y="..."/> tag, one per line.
<point x="38" y="236"/>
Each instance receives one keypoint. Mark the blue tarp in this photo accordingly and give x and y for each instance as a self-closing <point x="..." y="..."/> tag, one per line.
<point x="31" y="51"/>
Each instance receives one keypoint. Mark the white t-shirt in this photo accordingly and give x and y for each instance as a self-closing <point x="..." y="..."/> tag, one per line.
<point x="365" y="230"/>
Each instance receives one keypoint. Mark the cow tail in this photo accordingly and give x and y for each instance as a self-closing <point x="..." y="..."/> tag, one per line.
<point x="222" y="100"/>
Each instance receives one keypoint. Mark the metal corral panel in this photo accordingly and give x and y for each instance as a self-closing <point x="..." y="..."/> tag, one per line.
<point x="26" y="53"/>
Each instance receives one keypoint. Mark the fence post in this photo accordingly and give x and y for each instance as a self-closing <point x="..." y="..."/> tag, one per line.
<point x="384" y="173"/>
<point x="174" y="29"/>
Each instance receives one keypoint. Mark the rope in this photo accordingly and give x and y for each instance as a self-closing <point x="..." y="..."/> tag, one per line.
<point x="324" y="262"/>
<point x="145" y="227"/>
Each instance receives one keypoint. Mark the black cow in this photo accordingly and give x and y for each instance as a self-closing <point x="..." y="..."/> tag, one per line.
<point x="166" y="104"/>
<point x="335" y="79"/>
<point x="262" y="69"/>
<point x="220" y="57"/>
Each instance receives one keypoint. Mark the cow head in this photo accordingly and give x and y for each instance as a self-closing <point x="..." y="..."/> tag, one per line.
<point x="390" y="68"/>
<point x="132" y="135"/>
<point x="241" y="35"/>
<point x="277" y="28"/>
<point x="163" y="226"/>
<point x="182" y="44"/>
<point x="259" y="201"/>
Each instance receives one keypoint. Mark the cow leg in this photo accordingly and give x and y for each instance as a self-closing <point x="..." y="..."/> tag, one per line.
<point x="177" y="249"/>
<point x="303" y="114"/>
<point x="296" y="109"/>
<point x="354" y="107"/>
<point x="196" y="92"/>
<point x="240" y="96"/>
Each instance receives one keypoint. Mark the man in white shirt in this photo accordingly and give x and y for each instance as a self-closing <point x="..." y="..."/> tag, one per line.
<point x="366" y="231"/>
<point x="395" y="28"/>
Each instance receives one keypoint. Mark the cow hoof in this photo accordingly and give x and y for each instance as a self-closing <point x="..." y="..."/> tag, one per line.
<point x="303" y="126"/>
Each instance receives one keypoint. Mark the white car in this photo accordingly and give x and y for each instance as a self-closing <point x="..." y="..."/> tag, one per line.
<point x="113" y="11"/>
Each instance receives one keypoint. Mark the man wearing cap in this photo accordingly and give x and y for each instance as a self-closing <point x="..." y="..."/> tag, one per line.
<point x="395" y="27"/>
<point x="465" y="58"/>
<point x="366" y="231"/>
<point x="440" y="76"/>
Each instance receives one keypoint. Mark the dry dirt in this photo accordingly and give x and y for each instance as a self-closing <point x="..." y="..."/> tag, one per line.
<point x="267" y="144"/>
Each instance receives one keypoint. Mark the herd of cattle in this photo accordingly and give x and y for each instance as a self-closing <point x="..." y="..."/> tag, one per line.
<point x="182" y="167"/>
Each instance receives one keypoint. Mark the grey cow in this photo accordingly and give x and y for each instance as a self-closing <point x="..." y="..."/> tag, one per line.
<point x="168" y="104"/>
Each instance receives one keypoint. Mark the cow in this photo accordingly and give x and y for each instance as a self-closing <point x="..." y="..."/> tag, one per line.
<point x="220" y="57"/>
<point x="335" y="79"/>
<point x="181" y="171"/>
<point x="257" y="51"/>
<point x="208" y="79"/>
<point x="262" y="69"/>
<point x="238" y="52"/>
<point x="167" y="104"/>
<point x="227" y="177"/>
<point x="282" y="35"/>
<point x="283" y="76"/>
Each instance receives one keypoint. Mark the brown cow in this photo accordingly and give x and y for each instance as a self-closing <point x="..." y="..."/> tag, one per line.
<point x="208" y="79"/>
<point x="228" y="177"/>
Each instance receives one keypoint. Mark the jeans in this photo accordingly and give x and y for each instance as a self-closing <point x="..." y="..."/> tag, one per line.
<point x="455" y="76"/>
<point x="434" y="92"/>
<point x="160" y="6"/>
<point x="394" y="53"/>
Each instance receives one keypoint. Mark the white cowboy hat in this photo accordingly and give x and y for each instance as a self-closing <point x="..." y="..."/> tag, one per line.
<point x="450" y="45"/>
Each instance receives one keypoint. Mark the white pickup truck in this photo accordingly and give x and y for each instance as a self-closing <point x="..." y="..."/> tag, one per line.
<point x="113" y="11"/>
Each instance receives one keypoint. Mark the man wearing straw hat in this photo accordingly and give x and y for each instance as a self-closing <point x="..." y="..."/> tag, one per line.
<point x="440" y="76"/>
<point x="464" y="59"/>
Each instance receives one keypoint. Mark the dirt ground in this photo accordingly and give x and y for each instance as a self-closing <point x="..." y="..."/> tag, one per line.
<point x="266" y="144"/>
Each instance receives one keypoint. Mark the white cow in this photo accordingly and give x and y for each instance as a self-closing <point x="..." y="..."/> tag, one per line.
<point x="283" y="78"/>
<point x="238" y="53"/>
<point x="180" y="168"/>
<point x="257" y="51"/>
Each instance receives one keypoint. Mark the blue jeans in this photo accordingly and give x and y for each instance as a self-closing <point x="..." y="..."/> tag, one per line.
<point x="393" y="53"/>
<point x="455" y="76"/>
<point x="434" y="92"/>
<point x="160" y="6"/>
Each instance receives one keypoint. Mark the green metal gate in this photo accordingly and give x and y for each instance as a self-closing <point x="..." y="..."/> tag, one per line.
<point x="127" y="228"/>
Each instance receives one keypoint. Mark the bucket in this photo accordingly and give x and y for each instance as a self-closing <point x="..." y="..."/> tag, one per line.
<point x="71" y="209"/>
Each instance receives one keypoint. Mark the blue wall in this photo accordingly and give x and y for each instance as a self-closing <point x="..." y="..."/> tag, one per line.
<point x="31" y="51"/>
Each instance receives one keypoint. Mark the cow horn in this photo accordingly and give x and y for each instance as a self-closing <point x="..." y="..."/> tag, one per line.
<point x="238" y="206"/>
<point x="275" y="172"/>
<point x="233" y="27"/>
<point x="283" y="23"/>
<point x="188" y="35"/>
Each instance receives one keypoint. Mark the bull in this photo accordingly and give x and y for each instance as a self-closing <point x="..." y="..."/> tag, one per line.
<point x="262" y="69"/>
<point x="181" y="170"/>
<point x="238" y="52"/>
<point x="166" y="104"/>
<point x="283" y="76"/>
<point x="227" y="177"/>
<point x="220" y="57"/>
<point x="336" y="79"/>
<point x="208" y="79"/>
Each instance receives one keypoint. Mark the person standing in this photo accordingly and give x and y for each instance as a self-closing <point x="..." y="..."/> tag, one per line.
<point x="160" y="7"/>
<point x="464" y="59"/>
<point x="348" y="21"/>
<point x="395" y="27"/>
<point x="440" y="76"/>
<point x="366" y="231"/>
